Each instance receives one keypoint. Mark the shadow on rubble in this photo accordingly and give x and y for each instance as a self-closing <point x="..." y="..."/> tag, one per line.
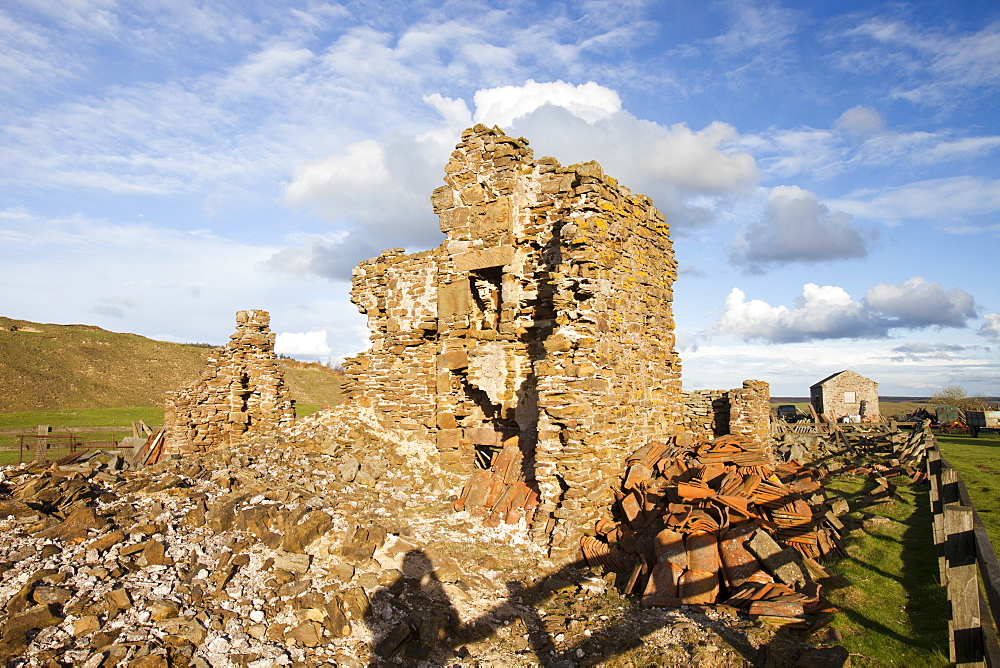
<point x="413" y="616"/>
<point x="412" y="620"/>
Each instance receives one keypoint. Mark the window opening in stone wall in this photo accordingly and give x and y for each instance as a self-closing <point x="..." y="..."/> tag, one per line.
<point x="486" y="293"/>
<point x="491" y="419"/>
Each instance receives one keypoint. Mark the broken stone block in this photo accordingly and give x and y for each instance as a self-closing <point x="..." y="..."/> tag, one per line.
<point x="19" y="628"/>
<point x="292" y="562"/>
<point x="783" y="563"/>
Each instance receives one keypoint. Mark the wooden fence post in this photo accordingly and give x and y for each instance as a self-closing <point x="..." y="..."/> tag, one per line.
<point x="42" y="443"/>
<point x="937" y="510"/>
<point x="948" y="493"/>
<point x="965" y="643"/>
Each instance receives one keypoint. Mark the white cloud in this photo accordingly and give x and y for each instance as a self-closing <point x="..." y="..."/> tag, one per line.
<point x="957" y="62"/>
<point x="303" y="344"/>
<point x="964" y="148"/>
<point x="685" y="171"/>
<point x="934" y="66"/>
<point x="916" y="303"/>
<point x="858" y="138"/>
<point x="504" y="105"/>
<point x="754" y="27"/>
<point x="85" y="15"/>
<point x="787" y="153"/>
<point x="379" y="190"/>
<point x="796" y="227"/>
<point x="916" y="351"/>
<point x="859" y="121"/>
<point x="191" y="291"/>
<point x="959" y="199"/>
<point x="822" y="312"/>
<point x="991" y="327"/>
<point x="829" y="312"/>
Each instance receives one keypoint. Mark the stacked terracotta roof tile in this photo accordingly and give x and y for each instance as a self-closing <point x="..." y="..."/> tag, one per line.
<point x="716" y="522"/>
<point x="500" y="493"/>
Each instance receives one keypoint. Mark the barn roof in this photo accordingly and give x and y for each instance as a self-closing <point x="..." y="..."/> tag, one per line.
<point x="834" y="375"/>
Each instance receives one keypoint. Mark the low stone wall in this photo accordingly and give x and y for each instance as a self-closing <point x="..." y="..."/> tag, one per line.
<point x="744" y="411"/>
<point x="706" y="413"/>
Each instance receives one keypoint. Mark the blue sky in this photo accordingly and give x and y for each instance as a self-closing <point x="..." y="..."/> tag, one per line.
<point x="829" y="170"/>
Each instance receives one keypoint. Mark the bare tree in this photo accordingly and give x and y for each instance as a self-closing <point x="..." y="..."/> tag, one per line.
<point x="955" y="395"/>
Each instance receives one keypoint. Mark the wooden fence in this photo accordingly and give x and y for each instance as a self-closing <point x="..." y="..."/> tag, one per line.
<point x="968" y="566"/>
<point x="39" y="443"/>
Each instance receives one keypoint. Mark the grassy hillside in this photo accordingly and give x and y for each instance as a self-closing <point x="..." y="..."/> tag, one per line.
<point x="310" y="383"/>
<point x="45" y="366"/>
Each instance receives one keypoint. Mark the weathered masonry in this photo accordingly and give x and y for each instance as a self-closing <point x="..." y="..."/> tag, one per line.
<point x="544" y="319"/>
<point x="744" y="411"/>
<point x="240" y="391"/>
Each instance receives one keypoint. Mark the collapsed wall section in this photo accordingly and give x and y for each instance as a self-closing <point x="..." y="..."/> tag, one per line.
<point x="241" y="390"/>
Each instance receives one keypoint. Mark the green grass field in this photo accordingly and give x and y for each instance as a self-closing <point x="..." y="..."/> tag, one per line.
<point x="65" y="421"/>
<point x="977" y="460"/>
<point x="887" y="587"/>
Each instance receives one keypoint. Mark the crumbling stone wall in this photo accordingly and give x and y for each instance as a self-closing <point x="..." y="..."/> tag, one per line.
<point x="544" y="319"/>
<point x="743" y="411"/>
<point x="706" y="413"/>
<point x="242" y="390"/>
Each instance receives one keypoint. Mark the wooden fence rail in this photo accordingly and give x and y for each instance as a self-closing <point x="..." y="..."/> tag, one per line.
<point x="44" y="439"/>
<point x="968" y="566"/>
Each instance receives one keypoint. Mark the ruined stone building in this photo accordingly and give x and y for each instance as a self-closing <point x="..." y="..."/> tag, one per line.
<point x="846" y="393"/>
<point x="535" y="345"/>
<point x="544" y="316"/>
<point x="240" y="391"/>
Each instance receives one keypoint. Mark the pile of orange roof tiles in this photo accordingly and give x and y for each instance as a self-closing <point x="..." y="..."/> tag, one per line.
<point x="718" y="523"/>
<point x="499" y="494"/>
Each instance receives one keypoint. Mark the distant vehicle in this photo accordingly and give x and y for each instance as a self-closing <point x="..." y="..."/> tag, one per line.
<point x="789" y="413"/>
<point x="947" y="414"/>
<point x="979" y="420"/>
<point x="951" y="419"/>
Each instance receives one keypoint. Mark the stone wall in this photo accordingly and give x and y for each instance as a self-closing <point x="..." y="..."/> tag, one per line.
<point x="543" y="320"/>
<point x="743" y="411"/>
<point x="750" y="412"/>
<point x="706" y="413"/>
<point x="241" y="390"/>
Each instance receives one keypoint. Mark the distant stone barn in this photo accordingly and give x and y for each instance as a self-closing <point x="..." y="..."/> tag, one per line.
<point x="846" y="393"/>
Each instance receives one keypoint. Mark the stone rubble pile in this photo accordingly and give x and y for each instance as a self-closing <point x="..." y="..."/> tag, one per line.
<point x="318" y="545"/>
<point x="715" y="522"/>
<point x="260" y="554"/>
<point x="841" y="447"/>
